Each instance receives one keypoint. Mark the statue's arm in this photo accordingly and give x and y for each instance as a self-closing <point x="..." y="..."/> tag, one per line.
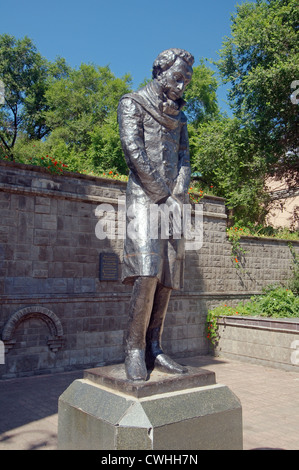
<point x="130" y="122"/>
<point x="184" y="174"/>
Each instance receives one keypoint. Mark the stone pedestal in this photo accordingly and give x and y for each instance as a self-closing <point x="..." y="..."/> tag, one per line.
<point x="104" y="411"/>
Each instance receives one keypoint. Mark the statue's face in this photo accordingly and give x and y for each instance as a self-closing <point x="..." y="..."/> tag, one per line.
<point x="175" y="79"/>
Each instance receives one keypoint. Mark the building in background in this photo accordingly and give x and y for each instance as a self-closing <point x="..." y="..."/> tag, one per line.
<point x="285" y="211"/>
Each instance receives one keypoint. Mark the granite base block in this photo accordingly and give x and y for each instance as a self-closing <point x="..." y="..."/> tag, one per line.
<point x="104" y="411"/>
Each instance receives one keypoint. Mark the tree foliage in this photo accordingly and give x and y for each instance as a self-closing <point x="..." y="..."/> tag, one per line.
<point x="225" y="156"/>
<point x="23" y="72"/>
<point x="261" y="61"/>
<point x="26" y="76"/>
<point x="201" y="95"/>
<point x="80" y="105"/>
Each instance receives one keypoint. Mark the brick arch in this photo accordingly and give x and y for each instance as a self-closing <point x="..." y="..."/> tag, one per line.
<point x="45" y="315"/>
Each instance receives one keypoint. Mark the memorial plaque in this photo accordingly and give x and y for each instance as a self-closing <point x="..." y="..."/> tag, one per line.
<point x="108" y="267"/>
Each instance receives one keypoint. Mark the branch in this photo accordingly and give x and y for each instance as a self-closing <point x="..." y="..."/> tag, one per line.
<point x="6" y="147"/>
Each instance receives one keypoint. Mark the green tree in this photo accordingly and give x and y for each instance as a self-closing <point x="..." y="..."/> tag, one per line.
<point x="79" y="105"/>
<point x="261" y="60"/>
<point x="201" y="95"/>
<point x="26" y="76"/>
<point x="225" y="156"/>
<point x="36" y="104"/>
<point x="23" y="72"/>
<point x="105" y="149"/>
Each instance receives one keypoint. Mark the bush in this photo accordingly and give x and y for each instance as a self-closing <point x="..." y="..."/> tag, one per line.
<point x="277" y="302"/>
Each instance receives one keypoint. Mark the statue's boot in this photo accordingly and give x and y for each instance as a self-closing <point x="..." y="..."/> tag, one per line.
<point x="155" y="357"/>
<point x="139" y="315"/>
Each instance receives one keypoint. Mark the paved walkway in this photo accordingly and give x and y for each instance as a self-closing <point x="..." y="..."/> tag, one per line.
<point x="269" y="397"/>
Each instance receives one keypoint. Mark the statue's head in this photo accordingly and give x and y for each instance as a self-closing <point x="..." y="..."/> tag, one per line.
<point x="173" y="70"/>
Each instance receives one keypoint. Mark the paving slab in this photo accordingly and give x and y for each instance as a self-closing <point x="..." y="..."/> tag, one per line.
<point x="269" y="397"/>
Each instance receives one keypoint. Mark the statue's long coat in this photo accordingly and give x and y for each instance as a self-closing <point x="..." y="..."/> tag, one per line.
<point x="155" y="143"/>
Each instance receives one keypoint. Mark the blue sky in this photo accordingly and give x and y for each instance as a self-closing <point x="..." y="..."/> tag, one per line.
<point x="126" y="35"/>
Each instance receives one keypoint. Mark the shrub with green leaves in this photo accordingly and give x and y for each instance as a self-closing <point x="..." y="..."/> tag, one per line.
<point x="277" y="302"/>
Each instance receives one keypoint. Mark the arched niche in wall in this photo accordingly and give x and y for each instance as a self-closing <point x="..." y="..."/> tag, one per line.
<point x="55" y="341"/>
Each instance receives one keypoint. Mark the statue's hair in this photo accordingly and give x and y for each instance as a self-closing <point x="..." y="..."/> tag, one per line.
<point x="167" y="58"/>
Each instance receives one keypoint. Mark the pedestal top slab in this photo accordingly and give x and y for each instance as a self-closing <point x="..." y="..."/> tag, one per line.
<point x="114" y="377"/>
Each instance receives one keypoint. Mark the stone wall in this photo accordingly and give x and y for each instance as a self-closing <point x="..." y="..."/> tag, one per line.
<point x="272" y="342"/>
<point x="55" y="312"/>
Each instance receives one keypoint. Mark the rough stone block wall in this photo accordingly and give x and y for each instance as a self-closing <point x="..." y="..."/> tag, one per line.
<point x="55" y="312"/>
<point x="271" y="342"/>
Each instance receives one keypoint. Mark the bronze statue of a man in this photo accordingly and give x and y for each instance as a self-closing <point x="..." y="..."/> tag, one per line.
<point x="153" y="132"/>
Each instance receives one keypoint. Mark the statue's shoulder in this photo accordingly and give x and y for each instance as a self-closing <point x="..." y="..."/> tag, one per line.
<point x="130" y="99"/>
<point x="133" y="96"/>
<point x="127" y="96"/>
